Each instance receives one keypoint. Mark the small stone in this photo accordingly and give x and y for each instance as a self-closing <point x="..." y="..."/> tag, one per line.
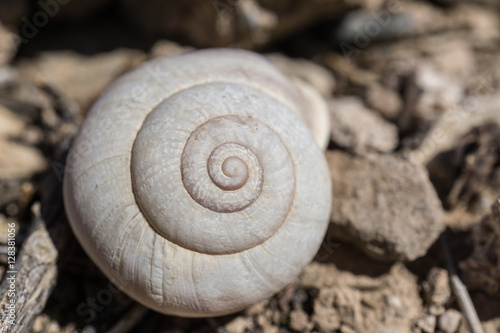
<point x="10" y="124"/>
<point x="19" y="161"/>
<point x="257" y="307"/>
<point x="326" y="316"/>
<point x="326" y="319"/>
<point x="386" y="101"/>
<point x="40" y="322"/>
<point x="164" y="48"/>
<point x="7" y="75"/>
<point x="319" y="77"/>
<point x="427" y="324"/>
<point x="482" y="22"/>
<point x="79" y="78"/>
<point x="383" y="204"/>
<point x="52" y="327"/>
<point x="438" y="93"/>
<point x="462" y="66"/>
<point x="8" y="45"/>
<point x="449" y="321"/>
<point x="265" y="325"/>
<point x="437" y="289"/>
<point x="394" y="302"/>
<point x="239" y="324"/>
<point x="451" y="127"/>
<point x="299" y="321"/>
<point x="89" y="329"/>
<point x="356" y="128"/>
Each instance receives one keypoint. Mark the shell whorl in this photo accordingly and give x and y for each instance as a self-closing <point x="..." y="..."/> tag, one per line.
<point x="194" y="185"/>
<point x="195" y="155"/>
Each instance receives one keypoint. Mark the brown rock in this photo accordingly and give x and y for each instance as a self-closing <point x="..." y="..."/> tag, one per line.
<point x="463" y="174"/>
<point x="299" y="321"/>
<point x="265" y="324"/>
<point x="164" y="48"/>
<point x="438" y="93"/>
<point x="327" y="299"/>
<point x="437" y="290"/>
<point x="386" y="101"/>
<point x="449" y="321"/>
<point x="338" y="305"/>
<point x="426" y="324"/>
<point x="463" y="65"/>
<point x="4" y="227"/>
<point x="19" y="161"/>
<point x="81" y="79"/>
<point x="356" y="128"/>
<point x="325" y="316"/>
<point x="388" y="303"/>
<point x="8" y="45"/>
<point x="7" y="75"/>
<point x="239" y="324"/>
<point x="383" y="204"/>
<point x="16" y="128"/>
<point x="10" y="124"/>
<point x="482" y="21"/>
<point x="454" y="124"/>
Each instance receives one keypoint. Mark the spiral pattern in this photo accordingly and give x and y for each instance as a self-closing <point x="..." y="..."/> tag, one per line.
<point x="228" y="168"/>
<point x="201" y="187"/>
<point x="235" y="173"/>
<point x="219" y="215"/>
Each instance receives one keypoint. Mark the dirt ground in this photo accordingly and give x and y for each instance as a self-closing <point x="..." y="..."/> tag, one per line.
<point x="414" y="153"/>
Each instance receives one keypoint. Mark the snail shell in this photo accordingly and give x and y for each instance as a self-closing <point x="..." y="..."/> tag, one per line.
<point x="194" y="185"/>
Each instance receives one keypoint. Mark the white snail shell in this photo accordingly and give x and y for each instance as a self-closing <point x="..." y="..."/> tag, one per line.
<point x="194" y="185"/>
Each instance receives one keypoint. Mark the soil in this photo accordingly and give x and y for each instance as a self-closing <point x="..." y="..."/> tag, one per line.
<point x="413" y="94"/>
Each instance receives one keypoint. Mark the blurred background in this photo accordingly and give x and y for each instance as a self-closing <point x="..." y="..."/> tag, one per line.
<point x="413" y="94"/>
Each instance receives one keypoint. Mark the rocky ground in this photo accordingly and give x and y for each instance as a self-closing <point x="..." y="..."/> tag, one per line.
<point x="413" y="93"/>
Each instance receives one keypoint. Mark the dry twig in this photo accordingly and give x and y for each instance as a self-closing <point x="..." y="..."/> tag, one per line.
<point x="460" y="290"/>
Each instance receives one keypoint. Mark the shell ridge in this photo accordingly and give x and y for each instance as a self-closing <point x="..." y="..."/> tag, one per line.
<point x="136" y="254"/>
<point x="206" y="263"/>
<point x="122" y="239"/>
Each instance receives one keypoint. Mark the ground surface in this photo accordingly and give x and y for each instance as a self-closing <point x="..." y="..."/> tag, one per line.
<point x="414" y="96"/>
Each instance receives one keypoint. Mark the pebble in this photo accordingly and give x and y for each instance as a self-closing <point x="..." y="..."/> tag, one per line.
<point x="427" y="324"/>
<point x="299" y="321"/>
<point x="358" y="129"/>
<point x="383" y="204"/>
<point x="386" y="101"/>
<point x="449" y="321"/>
<point x="8" y="45"/>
